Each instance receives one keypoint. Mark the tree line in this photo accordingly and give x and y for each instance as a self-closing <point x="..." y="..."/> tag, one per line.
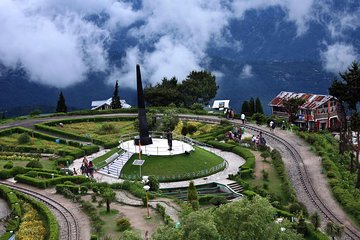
<point x="198" y="87"/>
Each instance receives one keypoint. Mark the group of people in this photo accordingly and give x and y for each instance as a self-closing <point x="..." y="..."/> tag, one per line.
<point x="229" y="113"/>
<point x="236" y="134"/>
<point x="259" y="140"/>
<point x="87" y="168"/>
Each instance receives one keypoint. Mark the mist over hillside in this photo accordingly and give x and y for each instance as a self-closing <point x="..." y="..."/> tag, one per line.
<point x="255" y="48"/>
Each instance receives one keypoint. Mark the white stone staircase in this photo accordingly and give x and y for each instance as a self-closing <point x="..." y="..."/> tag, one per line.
<point x="114" y="167"/>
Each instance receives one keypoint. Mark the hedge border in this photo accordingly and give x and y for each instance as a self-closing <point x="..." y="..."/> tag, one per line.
<point x="51" y="225"/>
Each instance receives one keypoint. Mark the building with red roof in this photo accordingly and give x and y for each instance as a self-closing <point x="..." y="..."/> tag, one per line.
<point x="319" y="112"/>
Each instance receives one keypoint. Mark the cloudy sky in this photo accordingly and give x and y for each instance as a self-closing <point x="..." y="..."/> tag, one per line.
<point x="58" y="43"/>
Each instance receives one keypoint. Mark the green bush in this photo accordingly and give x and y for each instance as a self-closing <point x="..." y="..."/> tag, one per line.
<point x="221" y="146"/>
<point x="250" y="194"/>
<point x="24" y="138"/>
<point x="13" y="203"/>
<point x="34" y="164"/>
<point x="218" y="200"/>
<point x="9" y="165"/>
<point x="153" y="183"/>
<point x="123" y="224"/>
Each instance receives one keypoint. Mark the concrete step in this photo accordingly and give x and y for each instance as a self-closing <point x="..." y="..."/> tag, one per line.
<point x="236" y="187"/>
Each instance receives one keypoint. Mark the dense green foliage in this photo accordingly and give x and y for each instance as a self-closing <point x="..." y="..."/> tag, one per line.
<point x="244" y="219"/>
<point x="292" y="106"/>
<point x="198" y="87"/>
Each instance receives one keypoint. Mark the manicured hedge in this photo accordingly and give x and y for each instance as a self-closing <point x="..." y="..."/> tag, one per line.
<point x="90" y="149"/>
<point x="49" y="182"/>
<point x="51" y="225"/>
<point x="280" y="169"/>
<point x="247" y="155"/>
<point x="13" y="203"/>
<point x="221" y="146"/>
<point x="167" y="219"/>
<point x="60" y="132"/>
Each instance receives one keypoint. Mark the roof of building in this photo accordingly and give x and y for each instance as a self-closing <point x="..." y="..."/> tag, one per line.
<point x="312" y="100"/>
<point x="218" y="103"/>
<point x="97" y="104"/>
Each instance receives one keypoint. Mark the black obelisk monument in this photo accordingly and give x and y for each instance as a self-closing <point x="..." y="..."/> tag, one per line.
<point x="143" y="137"/>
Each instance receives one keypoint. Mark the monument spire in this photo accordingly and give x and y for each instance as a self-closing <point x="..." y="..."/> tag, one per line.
<point x="144" y="137"/>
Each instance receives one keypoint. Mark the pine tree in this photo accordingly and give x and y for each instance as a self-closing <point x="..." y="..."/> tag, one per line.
<point x="115" y="101"/>
<point x="193" y="196"/>
<point x="61" y="106"/>
<point x="258" y="106"/>
<point x="252" y="106"/>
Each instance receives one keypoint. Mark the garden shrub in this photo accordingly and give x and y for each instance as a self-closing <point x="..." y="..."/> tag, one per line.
<point x="123" y="224"/>
<point x="34" y="164"/>
<point x="250" y="194"/>
<point x="218" y="200"/>
<point x="9" y="165"/>
<point x="24" y="138"/>
<point x="167" y="219"/>
<point x="191" y="128"/>
<point x="153" y="183"/>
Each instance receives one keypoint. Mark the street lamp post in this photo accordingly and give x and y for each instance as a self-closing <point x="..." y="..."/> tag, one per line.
<point x="145" y="181"/>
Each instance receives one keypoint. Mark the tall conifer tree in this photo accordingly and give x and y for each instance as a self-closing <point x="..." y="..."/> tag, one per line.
<point x="115" y="101"/>
<point x="252" y="106"/>
<point x="61" y="105"/>
<point x="258" y="106"/>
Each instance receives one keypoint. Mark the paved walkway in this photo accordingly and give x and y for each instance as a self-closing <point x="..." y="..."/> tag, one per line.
<point x="5" y="211"/>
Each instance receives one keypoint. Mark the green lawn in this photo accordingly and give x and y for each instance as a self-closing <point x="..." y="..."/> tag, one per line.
<point x="47" y="164"/>
<point x="12" y="140"/>
<point x="173" y="165"/>
<point x="99" y="162"/>
<point x="274" y="182"/>
<point x="93" y="129"/>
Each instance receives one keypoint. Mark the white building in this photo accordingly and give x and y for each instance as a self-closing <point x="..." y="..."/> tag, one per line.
<point x="220" y="105"/>
<point x="106" y="104"/>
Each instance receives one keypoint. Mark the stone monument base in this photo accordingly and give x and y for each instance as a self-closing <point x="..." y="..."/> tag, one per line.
<point x="143" y="141"/>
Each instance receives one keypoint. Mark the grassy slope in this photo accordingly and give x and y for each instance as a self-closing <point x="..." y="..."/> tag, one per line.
<point x="173" y="165"/>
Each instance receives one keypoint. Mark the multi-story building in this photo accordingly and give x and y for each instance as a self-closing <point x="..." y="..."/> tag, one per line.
<point x="319" y="112"/>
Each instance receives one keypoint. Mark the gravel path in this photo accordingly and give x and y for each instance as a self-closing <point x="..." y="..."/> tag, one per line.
<point x="171" y="208"/>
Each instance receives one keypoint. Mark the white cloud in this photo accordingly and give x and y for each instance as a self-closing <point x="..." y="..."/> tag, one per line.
<point x="338" y="57"/>
<point x="55" y="51"/>
<point x="299" y="12"/>
<point x="246" y="71"/>
<point x="57" y="44"/>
